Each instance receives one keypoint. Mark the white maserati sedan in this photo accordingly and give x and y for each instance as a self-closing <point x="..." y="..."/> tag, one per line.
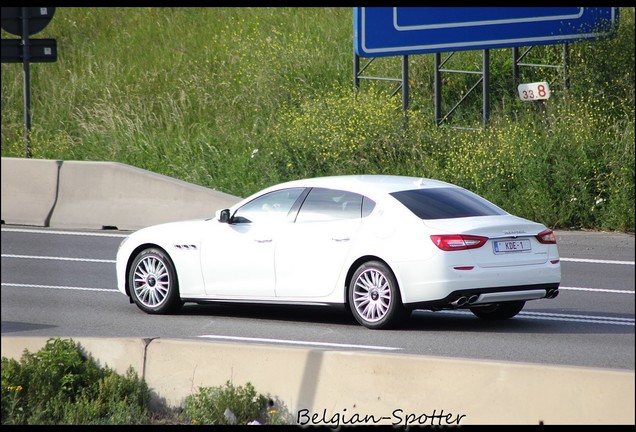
<point x="379" y="245"/>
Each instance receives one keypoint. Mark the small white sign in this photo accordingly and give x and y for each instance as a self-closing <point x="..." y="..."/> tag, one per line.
<point x="534" y="91"/>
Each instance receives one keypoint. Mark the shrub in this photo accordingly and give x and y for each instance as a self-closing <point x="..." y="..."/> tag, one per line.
<point x="61" y="385"/>
<point x="231" y="404"/>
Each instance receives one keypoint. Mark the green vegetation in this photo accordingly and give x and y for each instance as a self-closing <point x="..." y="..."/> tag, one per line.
<point x="208" y="406"/>
<point x="237" y="99"/>
<point x="60" y="384"/>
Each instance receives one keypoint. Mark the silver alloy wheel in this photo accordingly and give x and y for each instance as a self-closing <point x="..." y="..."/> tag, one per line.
<point x="151" y="281"/>
<point x="372" y="295"/>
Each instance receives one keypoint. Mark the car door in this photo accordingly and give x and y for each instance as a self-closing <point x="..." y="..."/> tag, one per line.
<point x="311" y="252"/>
<point x="237" y="258"/>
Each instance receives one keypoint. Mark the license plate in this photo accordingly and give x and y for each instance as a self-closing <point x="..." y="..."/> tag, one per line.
<point x="507" y="246"/>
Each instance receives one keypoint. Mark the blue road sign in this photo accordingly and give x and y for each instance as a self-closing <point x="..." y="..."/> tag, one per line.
<point x="390" y="31"/>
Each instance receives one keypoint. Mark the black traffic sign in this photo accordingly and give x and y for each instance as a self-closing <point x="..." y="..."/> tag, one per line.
<point x="40" y="51"/>
<point x="38" y="17"/>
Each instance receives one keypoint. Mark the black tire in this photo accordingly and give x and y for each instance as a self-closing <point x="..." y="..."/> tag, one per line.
<point x="374" y="297"/>
<point x="498" y="311"/>
<point x="153" y="282"/>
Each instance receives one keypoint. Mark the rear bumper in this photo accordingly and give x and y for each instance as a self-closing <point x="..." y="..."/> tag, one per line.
<point x="473" y="297"/>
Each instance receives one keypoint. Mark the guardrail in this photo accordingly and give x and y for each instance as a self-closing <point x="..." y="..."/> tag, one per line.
<point x="99" y="195"/>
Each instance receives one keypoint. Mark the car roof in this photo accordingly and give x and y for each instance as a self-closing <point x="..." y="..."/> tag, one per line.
<point x="368" y="183"/>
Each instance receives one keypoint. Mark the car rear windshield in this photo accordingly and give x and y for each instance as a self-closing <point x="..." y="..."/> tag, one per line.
<point x="446" y="203"/>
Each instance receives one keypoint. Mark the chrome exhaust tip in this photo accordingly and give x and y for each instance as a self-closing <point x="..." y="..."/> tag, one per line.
<point x="552" y="293"/>
<point x="473" y="298"/>
<point x="461" y="301"/>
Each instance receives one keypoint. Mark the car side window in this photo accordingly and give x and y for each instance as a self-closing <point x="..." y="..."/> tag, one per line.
<point x="271" y="207"/>
<point x="330" y="204"/>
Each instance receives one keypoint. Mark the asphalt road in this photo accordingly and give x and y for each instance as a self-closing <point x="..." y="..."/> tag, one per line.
<point x="62" y="284"/>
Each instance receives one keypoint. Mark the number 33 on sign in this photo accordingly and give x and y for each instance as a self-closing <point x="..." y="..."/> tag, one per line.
<point x="534" y="91"/>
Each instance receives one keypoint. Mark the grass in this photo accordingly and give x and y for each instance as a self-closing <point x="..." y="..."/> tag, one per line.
<point x="237" y="99"/>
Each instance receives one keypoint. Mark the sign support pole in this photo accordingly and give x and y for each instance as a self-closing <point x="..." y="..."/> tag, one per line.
<point x="485" y="88"/>
<point x="23" y="22"/>
<point x="356" y="70"/>
<point x="405" y="82"/>
<point x="27" y="80"/>
<point x="438" y="89"/>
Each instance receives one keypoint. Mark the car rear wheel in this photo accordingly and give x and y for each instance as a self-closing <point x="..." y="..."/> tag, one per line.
<point x="153" y="283"/>
<point x="498" y="311"/>
<point x="374" y="297"/>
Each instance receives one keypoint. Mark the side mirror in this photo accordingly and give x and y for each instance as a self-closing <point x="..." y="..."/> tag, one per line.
<point x="224" y="216"/>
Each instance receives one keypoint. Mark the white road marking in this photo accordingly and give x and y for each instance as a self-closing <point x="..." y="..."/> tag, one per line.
<point x="597" y="261"/>
<point x="550" y="317"/>
<point x="598" y="290"/>
<point x="576" y="316"/>
<point x="296" y="342"/>
<point x="58" y="287"/>
<point x="57" y="258"/>
<point x="76" y="233"/>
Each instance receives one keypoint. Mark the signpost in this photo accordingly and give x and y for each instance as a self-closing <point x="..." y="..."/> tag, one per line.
<point x="26" y="21"/>
<point x="389" y="31"/>
<point x="40" y="51"/>
<point x="403" y="31"/>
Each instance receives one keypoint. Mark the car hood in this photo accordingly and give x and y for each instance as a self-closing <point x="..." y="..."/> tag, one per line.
<point x="181" y="229"/>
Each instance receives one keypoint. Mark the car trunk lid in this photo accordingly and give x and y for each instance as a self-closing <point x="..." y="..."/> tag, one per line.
<point x="511" y="240"/>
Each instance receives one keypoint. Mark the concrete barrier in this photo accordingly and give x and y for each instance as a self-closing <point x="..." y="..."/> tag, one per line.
<point x="97" y="195"/>
<point x="348" y="388"/>
<point x="29" y="190"/>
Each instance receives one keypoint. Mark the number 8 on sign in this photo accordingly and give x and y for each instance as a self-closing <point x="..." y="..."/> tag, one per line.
<point x="534" y="91"/>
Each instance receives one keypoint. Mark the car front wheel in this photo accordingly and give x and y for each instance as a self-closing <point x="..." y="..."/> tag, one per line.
<point x="153" y="283"/>
<point x="374" y="297"/>
<point x="498" y="311"/>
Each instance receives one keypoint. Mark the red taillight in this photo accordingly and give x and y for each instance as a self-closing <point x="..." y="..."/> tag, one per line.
<point x="453" y="242"/>
<point x="546" y="237"/>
